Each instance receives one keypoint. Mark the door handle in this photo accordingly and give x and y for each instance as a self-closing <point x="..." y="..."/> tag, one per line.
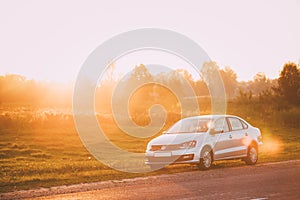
<point x="230" y="136"/>
<point x="246" y="134"/>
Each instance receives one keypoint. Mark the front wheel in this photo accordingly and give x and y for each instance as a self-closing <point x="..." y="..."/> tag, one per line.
<point x="205" y="159"/>
<point x="252" y="156"/>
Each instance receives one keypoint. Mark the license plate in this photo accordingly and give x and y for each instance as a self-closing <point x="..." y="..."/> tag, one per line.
<point x="164" y="154"/>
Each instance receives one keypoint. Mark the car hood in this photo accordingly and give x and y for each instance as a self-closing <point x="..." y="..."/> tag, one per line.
<point x="167" y="139"/>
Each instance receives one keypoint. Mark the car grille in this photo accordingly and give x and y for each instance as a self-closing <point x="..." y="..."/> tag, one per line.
<point x="185" y="157"/>
<point x="164" y="147"/>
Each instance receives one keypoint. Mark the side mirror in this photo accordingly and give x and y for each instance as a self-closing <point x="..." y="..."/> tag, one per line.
<point x="214" y="131"/>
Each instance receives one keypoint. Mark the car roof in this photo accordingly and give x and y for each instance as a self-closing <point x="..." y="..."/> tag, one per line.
<point x="209" y="116"/>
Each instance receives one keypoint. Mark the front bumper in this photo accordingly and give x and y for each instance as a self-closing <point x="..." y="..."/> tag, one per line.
<point x="173" y="157"/>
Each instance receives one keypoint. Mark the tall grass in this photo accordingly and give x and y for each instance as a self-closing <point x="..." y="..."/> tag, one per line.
<point x="39" y="147"/>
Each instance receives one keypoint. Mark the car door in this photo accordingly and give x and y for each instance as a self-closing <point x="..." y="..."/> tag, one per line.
<point x="238" y="132"/>
<point x="223" y="143"/>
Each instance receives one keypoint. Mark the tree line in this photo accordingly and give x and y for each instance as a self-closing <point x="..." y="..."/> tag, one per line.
<point x="281" y="92"/>
<point x="285" y="89"/>
<point x="16" y="89"/>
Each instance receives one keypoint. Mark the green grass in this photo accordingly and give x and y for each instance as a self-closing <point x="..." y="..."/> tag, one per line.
<point x="45" y="156"/>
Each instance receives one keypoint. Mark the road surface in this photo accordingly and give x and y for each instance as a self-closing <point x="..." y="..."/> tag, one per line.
<point x="264" y="181"/>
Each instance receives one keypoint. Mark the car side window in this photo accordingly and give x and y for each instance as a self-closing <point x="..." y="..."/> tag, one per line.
<point x="221" y="125"/>
<point x="235" y="123"/>
<point x="245" y="126"/>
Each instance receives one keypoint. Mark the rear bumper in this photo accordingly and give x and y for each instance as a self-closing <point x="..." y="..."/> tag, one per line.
<point x="260" y="147"/>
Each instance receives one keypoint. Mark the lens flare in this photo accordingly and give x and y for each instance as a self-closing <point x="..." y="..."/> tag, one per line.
<point x="272" y="145"/>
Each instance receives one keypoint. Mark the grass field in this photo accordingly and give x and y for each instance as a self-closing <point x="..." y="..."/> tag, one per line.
<point x="34" y="155"/>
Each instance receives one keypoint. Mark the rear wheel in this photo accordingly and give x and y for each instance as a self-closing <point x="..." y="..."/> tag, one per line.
<point x="252" y="156"/>
<point x="205" y="159"/>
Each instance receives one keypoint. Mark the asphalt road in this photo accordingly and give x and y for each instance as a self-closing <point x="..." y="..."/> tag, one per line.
<point x="265" y="181"/>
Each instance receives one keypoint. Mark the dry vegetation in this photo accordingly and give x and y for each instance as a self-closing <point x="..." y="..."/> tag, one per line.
<point x="45" y="150"/>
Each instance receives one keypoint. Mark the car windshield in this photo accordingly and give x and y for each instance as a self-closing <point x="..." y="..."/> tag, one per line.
<point x="190" y="126"/>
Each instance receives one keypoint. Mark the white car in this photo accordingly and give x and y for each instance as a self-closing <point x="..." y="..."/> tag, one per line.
<point x="204" y="139"/>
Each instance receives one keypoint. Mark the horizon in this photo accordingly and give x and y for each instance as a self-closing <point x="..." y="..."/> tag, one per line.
<point x="153" y="70"/>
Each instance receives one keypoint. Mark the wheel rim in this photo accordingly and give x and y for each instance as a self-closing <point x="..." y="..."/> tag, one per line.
<point x="253" y="155"/>
<point x="206" y="159"/>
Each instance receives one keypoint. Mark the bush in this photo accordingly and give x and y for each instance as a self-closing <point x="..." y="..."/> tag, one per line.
<point x="290" y="117"/>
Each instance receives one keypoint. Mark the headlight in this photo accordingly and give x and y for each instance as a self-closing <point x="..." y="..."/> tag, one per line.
<point x="188" y="145"/>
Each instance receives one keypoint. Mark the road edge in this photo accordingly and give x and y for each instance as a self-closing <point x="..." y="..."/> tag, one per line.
<point x="83" y="187"/>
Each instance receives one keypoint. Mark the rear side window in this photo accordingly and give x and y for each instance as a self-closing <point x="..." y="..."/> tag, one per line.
<point x="235" y="123"/>
<point x="245" y="126"/>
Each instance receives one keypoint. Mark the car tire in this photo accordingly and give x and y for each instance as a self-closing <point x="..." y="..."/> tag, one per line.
<point x="252" y="156"/>
<point x="206" y="159"/>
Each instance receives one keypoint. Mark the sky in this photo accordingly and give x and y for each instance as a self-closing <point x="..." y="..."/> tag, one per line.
<point x="50" y="39"/>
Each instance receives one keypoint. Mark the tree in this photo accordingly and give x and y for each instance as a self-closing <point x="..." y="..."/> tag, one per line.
<point x="260" y="83"/>
<point x="230" y="81"/>
<point x="289" y="83"/>
<point x="138" y="79"/>
<point x="141" y="74"/>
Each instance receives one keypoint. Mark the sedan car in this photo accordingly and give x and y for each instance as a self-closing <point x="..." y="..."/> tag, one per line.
<point x="204" y="139"/>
